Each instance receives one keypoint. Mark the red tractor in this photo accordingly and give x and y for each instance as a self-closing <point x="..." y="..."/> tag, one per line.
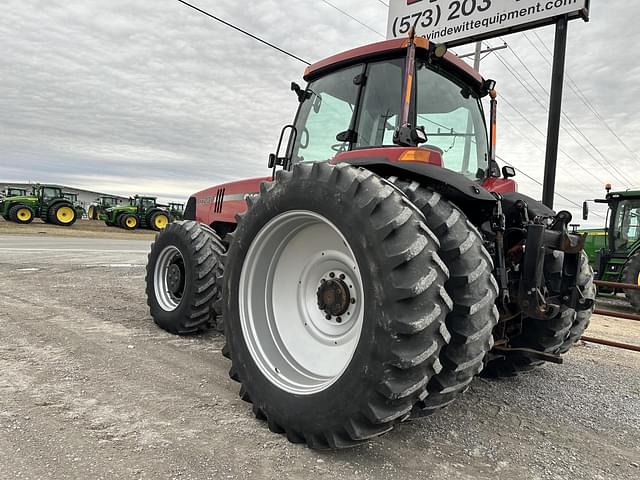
<point x="384" y="263"/>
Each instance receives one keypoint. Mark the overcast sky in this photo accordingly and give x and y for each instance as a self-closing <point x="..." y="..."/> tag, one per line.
<point x="141" y="96"/>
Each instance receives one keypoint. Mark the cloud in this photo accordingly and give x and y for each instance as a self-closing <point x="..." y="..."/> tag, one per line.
<point x="153" y="97"/>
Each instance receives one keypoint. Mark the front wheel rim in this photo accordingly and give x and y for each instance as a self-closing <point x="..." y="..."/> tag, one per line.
<point x="169" y="278"/>
<point x="131" y="222"/>
<point x="301" y="302"/>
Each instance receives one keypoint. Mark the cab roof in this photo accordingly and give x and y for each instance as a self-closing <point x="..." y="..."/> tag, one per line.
<point x="382" y="49"/>
<point x="626" y="193"/>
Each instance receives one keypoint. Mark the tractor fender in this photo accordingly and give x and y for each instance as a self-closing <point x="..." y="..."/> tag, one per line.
<point x="58" y="201"/>
<point x="475" y="201"/>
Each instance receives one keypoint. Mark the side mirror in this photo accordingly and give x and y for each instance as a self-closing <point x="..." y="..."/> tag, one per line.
<point x="508" y="172"/>
<point x="302" y="94"/>
<point x="585" y="211"/>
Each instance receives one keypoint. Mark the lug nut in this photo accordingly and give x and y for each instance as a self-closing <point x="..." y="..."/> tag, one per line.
<point x="339" y="319"/>
<point x="342" y="277"/>
<point x="332" y="275"/>
<point x="353" y="301"/>
<point x="328" y="317"/>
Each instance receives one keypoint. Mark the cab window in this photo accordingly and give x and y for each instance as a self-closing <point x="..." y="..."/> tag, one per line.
<point x="324" y="119"/>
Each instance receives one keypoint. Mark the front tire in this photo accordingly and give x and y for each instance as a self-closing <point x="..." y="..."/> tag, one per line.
<point x="333" y="360"/>
<point x="129" y="221"/>
<point x="183" y="266"/>
<point x="22" y="214"/>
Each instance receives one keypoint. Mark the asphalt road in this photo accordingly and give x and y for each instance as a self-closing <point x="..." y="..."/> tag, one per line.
<point x="90" y="388"/>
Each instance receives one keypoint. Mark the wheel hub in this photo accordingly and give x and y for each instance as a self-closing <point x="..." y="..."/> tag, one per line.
<point x="174" y="278"/>
<point x="170" y="276"/>
<point x="333" y="296"/>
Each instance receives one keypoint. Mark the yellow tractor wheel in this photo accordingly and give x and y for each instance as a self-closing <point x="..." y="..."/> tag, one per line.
<point x="159" y="221"/>
<point x="130" y="222"/>
<point x="62" y="214"/>
<point x="21" y="214"/>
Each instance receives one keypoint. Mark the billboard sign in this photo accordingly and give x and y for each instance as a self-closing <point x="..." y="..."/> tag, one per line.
<point x="456" y="22"/>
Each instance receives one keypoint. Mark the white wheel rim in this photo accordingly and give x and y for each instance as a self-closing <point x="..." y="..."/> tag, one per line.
<point x="164" y="278"/>
<point x="289" y="337"/>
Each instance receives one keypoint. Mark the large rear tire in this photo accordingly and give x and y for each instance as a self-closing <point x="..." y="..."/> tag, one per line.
<point x="62" y="214"/>
<point x="158" y="221"/>
<point x="631" y="274"/>
<point x="182" y="270"/>
<point x="554" y="336"/>
<point x="586" y="305"/>
<point x="334" y="305"/>
<point x="472" y="288"/>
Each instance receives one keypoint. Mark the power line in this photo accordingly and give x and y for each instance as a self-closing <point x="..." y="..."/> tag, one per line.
<point x="230" y="25"/>
<point x="354" y="18"/>
<point x="583" y="98"/>
<point x="529" y="89"/>
<point x="573" y="160"/>
<point x="567" y="118"/>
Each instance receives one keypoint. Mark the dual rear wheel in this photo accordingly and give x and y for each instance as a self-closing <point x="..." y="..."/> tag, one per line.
<point x="349" y="304"/>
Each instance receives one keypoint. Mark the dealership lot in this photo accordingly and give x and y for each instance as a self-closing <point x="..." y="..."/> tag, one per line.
<point x="89" y="387"/>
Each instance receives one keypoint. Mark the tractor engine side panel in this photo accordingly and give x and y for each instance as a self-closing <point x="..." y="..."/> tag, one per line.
<point x="221" y="203"/>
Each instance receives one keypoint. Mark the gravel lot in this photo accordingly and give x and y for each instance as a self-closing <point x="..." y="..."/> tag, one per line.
<point x="90" y="388"/>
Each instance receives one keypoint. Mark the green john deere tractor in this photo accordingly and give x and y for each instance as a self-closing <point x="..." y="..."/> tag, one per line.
<point x="100" y="205"/>
<point x="142" y="212"/>
<point x="176" y="210"/>
<point x="614" y="251"/>
<point x="73" y="198"/>
<point x="45" y="201"/>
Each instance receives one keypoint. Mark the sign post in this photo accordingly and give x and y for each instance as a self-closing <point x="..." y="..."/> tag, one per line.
<point x="555" y="112"/>
<point x="459" y="22"/>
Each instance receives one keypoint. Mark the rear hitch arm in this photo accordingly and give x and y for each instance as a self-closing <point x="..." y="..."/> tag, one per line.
<point x="534" y="354"/>
<point x="499" y="226"/>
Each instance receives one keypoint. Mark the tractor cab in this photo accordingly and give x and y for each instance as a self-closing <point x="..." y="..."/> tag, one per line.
<point x="47" y="192"/>
<point x="15" y="192"/>
<point x="611" y="248"/>
<point x="370" y="108"/>
<point x="400" y="104"/>
<point x="72" y="197"/>
<point x="176" y="210"/>
<point x="106" y="201"/>
<point x="143" y="203"/>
